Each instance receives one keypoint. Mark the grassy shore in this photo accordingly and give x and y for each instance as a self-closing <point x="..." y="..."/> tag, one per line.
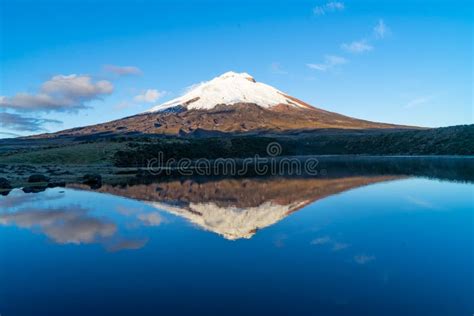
<point x="137" y="151"/>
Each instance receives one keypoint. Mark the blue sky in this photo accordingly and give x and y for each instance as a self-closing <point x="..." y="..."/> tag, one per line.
<point x="407" y="62"/>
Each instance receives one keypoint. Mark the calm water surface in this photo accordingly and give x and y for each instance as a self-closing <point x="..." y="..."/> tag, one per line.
<point x="384" y="243"/>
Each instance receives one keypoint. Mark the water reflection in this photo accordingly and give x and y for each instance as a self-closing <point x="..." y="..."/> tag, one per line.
<point x="65" y="222"/>
<point x="318" y="245"/>
<point x="71" y="224"/>
<point x="234" y="208"/>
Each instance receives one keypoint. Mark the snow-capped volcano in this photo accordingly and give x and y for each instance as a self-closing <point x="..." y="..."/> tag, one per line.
<point x="231" y="104"/>
<point x="228" y="89"/>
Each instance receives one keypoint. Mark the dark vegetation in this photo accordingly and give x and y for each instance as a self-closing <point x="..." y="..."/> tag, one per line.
<point x="124" y="159"/>
<point x="457" y="140"/>
<point x="136" y="151"/>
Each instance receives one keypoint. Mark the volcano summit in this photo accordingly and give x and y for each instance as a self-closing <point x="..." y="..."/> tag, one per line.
<point x="233" y="103"/>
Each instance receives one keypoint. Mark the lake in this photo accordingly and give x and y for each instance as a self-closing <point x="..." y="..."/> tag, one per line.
<point x="373" y="238"/>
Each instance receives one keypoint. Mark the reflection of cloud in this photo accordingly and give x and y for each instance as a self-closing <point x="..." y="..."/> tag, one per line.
<point x="326" y="240"/>
<point x="69" y="225"/>
<point x="279" y="241"/>
<point x="17" y="198"/>
<point x="150" y="219"/>
<point x="321" y="240"/>
<point x="339" y="246"/>
<point x="363" y="259"/>
<point x="421" y="203"/>
<point x="126" y="211"/>
<point x="80" y="230"/>
<point x="126" y="245"/>
<point x="74" y="224"/>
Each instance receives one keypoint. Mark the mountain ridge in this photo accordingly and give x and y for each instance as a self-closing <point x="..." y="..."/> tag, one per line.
<point x="233" y="103"/>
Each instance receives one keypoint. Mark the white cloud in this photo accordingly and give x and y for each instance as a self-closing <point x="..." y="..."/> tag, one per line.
<point x="330" y="61"/>
<point x="62" y="93"/>
<point x="149" y="96"/>
<point x="381" y="30"/>
<point x="335" y="6"/>
<point x="357" y="47"/>
<point x="123" y="70"/>
<point x="76" y="87"/>
<point x="40" y="102"/>
<point x="332" y="6"/>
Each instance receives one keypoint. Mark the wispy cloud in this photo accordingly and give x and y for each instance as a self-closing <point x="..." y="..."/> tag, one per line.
<point x="18" y="122"/>
<point x="276" y="68"/>
<point x="330" y="61"/>
<point x="418" y="101"/>
<point x="321" y="240"/>
<point x="339" y="246"/>
<point x="7" y="134"/>
<point x="363" y="259"/>
<point x="62" y="93"/>
<point x="422" y="203"/>
<point x="149" y="96"/>
<point x="123" y="70"/>
<point x="381" y="30"/>
<point x="332" y="6"/>
<point x="357" y="47"/>
<point x="326" y="240"/>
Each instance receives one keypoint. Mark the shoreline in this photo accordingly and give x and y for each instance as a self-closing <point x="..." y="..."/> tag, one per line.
<point x="17" y="174"/>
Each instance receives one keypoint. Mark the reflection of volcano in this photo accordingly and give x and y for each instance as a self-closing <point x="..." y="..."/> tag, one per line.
<point x="237" y="208"/>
